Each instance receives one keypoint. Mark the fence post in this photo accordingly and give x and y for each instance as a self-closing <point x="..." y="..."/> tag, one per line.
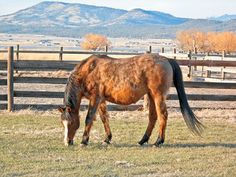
<point x="10" y="72"/>
<point x="174" y="50"/>
<point x="162" y="50"/>
<point x="207" y="54"/>
<point x="150" y="49"/>
<point x="106" y="48"/>
<point x="222" y="69"/>
<point x="61" y="54"/>
<point x="195" y="58"/>
<point x="17" y="54"/>
<point x="189" y="66"/>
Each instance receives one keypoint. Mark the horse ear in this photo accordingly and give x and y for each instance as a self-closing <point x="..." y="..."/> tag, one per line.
<point x="61" y="109"/>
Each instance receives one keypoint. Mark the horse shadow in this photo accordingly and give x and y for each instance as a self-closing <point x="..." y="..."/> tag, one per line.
<point x="201" y="145"/>
<point x="179" y="145"/>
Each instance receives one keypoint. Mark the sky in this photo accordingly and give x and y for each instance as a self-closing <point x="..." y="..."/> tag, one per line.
<point x="180" y="8"/>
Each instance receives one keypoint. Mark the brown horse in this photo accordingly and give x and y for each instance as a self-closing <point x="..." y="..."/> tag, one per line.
<point x="123" y="81"/>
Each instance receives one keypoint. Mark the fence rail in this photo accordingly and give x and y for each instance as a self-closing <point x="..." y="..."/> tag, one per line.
<point x="174" y="54"/>
<point x="49" y="65"/>
<point x="195" y="97"/>
<point x="50" y="80"/>
<point x="42" y="65"/>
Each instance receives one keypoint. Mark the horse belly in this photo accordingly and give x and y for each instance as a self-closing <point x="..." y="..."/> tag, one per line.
<point x="126" y="95"/>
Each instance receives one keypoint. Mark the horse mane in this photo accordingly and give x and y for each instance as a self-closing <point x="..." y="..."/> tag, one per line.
<point x="70" y="97"/>
<point x="71" y="91"/>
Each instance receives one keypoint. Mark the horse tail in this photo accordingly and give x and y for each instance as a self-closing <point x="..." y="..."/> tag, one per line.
<point x="190" y="118"/>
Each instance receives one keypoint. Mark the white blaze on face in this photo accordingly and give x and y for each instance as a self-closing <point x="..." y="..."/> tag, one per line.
<point x="66" y="139"/>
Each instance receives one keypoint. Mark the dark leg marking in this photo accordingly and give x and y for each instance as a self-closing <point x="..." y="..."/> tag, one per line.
<point x="108" y="139"/>
<point x="85" y="140"/>
<point x="144" y="139"/>
<point x="71" y="142"/>
<point x="159" y="142"/>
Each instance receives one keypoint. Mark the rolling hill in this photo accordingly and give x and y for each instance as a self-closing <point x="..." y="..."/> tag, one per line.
<point x="225" y="17"/>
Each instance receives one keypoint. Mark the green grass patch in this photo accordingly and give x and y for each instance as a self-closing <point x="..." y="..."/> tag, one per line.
<point x="32" y="145"/>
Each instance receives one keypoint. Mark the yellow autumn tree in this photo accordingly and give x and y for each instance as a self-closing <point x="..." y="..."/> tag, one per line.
<point x="95" y="42"/>
<point x="212" y="41"/>
<point x="185" y="40"/>
<point x="207" y="42"/>
<point x="200" y="41"/>
<point x="190" y="39"/>
<point x="226" y="41"/>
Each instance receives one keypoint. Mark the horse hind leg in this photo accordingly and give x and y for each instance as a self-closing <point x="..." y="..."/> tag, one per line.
<point x="151" y="123"/>
<point x="104" y="117"/>
<point x="162" y="115"/>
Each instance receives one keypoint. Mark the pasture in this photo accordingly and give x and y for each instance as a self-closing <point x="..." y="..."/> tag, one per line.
<point x="31" y="144"/>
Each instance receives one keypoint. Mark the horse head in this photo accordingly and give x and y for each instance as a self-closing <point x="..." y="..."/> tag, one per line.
<point x="71" y="122"/>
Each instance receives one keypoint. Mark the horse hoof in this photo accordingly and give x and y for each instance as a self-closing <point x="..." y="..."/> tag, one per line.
<point x="107" y="141"/>
<point x="105" y="144"/>
<point x="71" y="142"/>
<point x="157" y="145"/>
<point x="159" y="142"/>
<point x="144" y="139"/>
<point x="66" y="144"/>
<point x="142" y="143"/>
<point x="84" y="143"/>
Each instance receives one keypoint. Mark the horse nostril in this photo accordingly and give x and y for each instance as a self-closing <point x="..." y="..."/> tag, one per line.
<point x="71" y="142"/>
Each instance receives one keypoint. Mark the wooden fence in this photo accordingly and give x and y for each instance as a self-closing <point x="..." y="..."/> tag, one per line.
<point x="41" y="65"/>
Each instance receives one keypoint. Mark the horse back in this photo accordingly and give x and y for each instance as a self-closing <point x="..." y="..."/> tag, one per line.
<point x="123" y="81"/>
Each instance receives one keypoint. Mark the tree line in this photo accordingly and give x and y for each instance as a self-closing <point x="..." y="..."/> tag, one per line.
<point x="215" y="42"/>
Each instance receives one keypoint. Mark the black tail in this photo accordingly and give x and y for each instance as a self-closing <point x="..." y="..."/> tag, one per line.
<point x="190" y="118"/>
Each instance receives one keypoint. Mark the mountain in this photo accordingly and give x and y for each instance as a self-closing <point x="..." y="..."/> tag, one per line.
<point x="225" y="17"/>
<point x="144" y="17"/>
<point x="74" y="15"/>
<point x="76" y="20"/>
<point x="62" y="14"/>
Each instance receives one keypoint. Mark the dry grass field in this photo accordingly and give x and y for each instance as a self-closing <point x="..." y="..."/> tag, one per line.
<point x="52" y="43"/>
<point x="34" y="56"/>
<point x="31" y="145"/>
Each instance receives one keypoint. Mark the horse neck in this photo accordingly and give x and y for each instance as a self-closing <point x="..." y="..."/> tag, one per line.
<point x="72" y="96"/>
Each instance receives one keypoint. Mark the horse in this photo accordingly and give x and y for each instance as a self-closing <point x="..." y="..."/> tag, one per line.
<point x="100" y="78"/>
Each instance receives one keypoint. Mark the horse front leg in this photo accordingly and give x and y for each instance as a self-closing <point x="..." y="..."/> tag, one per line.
<point x="104" y="117"/>
<point x="93" y="105"/>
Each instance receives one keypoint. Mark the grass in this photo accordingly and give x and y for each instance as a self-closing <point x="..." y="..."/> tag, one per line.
<point x="31" y="145"/>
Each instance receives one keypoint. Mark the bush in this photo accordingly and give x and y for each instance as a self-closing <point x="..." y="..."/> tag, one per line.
<point x="95" y="42"/>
